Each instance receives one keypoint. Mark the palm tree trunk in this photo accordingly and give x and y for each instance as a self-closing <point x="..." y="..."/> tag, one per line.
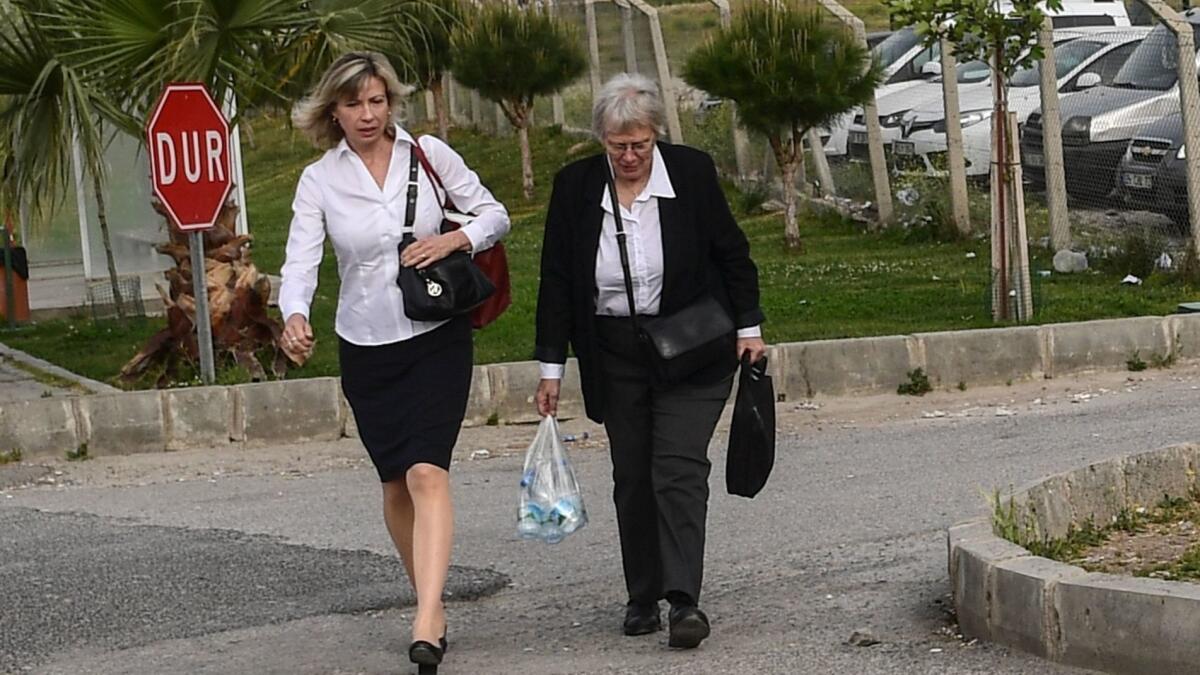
<point x="102" y="216"/>
<point x="438" y="89"/>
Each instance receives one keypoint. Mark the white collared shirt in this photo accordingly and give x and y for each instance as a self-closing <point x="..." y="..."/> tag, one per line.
<point x="338" y="197"/>
<point x="643" y="240"/>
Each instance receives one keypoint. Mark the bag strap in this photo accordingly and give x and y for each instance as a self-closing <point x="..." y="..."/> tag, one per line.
<point x="433" y="175"/>
<point x="619" y="221"/>
<point x="410" y="213"/>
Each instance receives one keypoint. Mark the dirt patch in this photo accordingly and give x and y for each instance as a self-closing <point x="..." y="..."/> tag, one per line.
<point x="1154" y="552"/>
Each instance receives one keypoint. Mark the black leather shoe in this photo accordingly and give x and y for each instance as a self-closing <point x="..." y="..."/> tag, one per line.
<point x="427" y="656"/>
<point x="642" y="619"/>
<point x="689" y="627"/>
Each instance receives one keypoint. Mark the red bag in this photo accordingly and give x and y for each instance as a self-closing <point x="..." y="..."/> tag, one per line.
<point x="493" y="261"/>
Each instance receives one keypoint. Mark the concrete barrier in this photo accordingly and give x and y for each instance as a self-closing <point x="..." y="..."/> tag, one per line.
<point x="1108" y="343"/>
<point x="312" y="409"/>
<point x="125" y="423"/>
<point x="831" y="367"/>
<point x="39" y="428"/>
<point x="983" y="356"/>
<point x="1128" y="625"/>
<point x="198" y="417"/>
<point x="291" y="410"/>
<point x="1184" y="332"/>
<point x="1004" y="594"/>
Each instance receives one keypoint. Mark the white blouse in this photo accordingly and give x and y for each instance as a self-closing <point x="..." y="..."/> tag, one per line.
<point x="643" y="240"/>
<point x="337" y="196"/>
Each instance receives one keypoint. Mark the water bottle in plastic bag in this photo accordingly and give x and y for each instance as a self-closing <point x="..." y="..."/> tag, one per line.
<point x="551" y="505"/>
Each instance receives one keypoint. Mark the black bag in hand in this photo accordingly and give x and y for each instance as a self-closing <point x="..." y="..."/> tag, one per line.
<point x="752" y="434"/>
<point x="451" y="286"/>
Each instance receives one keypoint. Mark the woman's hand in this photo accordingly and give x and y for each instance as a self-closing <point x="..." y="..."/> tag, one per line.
<point x="424" y="252"/>
<point x="755" y="347"/>
<point x="297" y="339"/>
<point x="547" y="397"/>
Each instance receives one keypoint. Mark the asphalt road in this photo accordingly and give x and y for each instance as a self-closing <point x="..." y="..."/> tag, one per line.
<point x="277" y="562"/>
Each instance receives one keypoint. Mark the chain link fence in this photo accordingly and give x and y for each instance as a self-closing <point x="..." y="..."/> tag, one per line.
<point x="1118" y="143"/>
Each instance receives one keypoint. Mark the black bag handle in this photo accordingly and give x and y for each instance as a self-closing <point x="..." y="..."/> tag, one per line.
<point x="619" y="221"/>
<point x="408" y="231"/>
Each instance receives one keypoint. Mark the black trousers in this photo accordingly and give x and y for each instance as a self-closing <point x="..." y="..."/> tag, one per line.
<point x="659" y="436"/>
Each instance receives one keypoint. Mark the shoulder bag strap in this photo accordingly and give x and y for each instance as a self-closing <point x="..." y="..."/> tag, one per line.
<point x="408" y="233"/>
<point x="433" y="175"/>
<point x="619" y="221"/>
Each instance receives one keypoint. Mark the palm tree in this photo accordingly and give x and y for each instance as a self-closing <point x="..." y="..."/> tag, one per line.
<point x="789" y="71"/>
<point x="265" y="50"/>
<point x="49" y="106"/>
<point x="429" y="54"/>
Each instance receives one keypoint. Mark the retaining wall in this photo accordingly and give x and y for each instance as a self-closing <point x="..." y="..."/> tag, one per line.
<point x="314" y="409"/>
<point x="1118" y="624"/>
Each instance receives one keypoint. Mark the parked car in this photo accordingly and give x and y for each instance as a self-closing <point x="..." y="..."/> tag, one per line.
<point x="893" y="103"/>
<point x="1099" y="123"/>
<point x="1152" y="175"/>
<point x="974" y="78"/>
<point x="878" y="36"/>
<point x="906" y="61"/>
<point x="1083" y="63"/>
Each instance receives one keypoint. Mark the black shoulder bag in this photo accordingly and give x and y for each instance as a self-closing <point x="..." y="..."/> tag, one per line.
<point x="451" y="286"/>
<point x="683" y="343"/>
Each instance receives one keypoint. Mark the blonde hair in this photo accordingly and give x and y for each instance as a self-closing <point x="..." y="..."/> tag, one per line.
<point x="346" y="76"/>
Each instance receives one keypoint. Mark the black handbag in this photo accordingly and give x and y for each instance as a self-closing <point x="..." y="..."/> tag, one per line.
<point x="451" y="286"/>
<point x="682" y="343"/>
<point x="751" y="454"/>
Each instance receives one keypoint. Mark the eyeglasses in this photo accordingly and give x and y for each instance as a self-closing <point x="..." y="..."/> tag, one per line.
<point x="638" y="147"/>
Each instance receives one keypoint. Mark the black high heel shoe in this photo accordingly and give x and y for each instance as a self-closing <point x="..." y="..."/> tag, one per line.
<point x="427" y="656"/>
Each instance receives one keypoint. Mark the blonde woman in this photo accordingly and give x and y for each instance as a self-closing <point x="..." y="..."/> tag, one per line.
<point x="406" y="381"/>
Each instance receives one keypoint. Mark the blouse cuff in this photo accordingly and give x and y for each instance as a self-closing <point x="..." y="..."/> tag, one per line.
<point x="552" y="371"/>
<point x="288" y="308"/>
<point x="749" y="332"/>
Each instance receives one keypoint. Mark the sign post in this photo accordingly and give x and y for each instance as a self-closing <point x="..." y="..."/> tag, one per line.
<point x="187" y="139"/>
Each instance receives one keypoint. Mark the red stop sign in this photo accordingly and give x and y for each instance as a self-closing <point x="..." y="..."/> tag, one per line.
<point x="188" y="141"/>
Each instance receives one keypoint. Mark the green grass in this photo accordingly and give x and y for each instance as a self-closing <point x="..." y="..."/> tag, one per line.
<point x="847" y="283"/>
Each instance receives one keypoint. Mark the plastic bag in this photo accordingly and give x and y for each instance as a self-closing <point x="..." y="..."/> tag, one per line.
<point x="551" y="505"/>
<point x="751" y="453"/>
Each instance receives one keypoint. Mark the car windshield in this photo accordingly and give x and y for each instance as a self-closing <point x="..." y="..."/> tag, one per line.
<point x="896" y="45"/>
<point x="1154" y="64"/>
<point x="973" y="71"/>
<point x="1066" y="58"/>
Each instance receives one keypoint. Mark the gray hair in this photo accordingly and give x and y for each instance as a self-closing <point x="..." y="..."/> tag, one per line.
<point x="625" y="101"/>
<point x="346" y="76"/>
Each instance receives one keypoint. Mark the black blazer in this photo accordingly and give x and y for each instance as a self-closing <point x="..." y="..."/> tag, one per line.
<point x="704" y="250"/>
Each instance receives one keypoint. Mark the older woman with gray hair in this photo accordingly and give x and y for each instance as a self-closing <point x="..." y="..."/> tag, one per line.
<point x="407" y="381"/>
<point x="616" y="289"/>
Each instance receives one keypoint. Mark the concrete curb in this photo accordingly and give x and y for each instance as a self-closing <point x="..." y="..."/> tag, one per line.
<point x="33" y="363"/>
<point x="1005" y="594"/>
<point x="313" y="409"/>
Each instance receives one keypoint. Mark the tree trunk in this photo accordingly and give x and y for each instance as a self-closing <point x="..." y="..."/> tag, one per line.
<point x="438" y="89"/>
<point x="526" y="160"/>
<point x="999" y="193"/>
<point x="102" y="216"/>
<point x="786" y="157"/>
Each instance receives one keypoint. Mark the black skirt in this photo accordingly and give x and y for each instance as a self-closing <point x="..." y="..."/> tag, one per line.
<point x="409" y="397"/>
